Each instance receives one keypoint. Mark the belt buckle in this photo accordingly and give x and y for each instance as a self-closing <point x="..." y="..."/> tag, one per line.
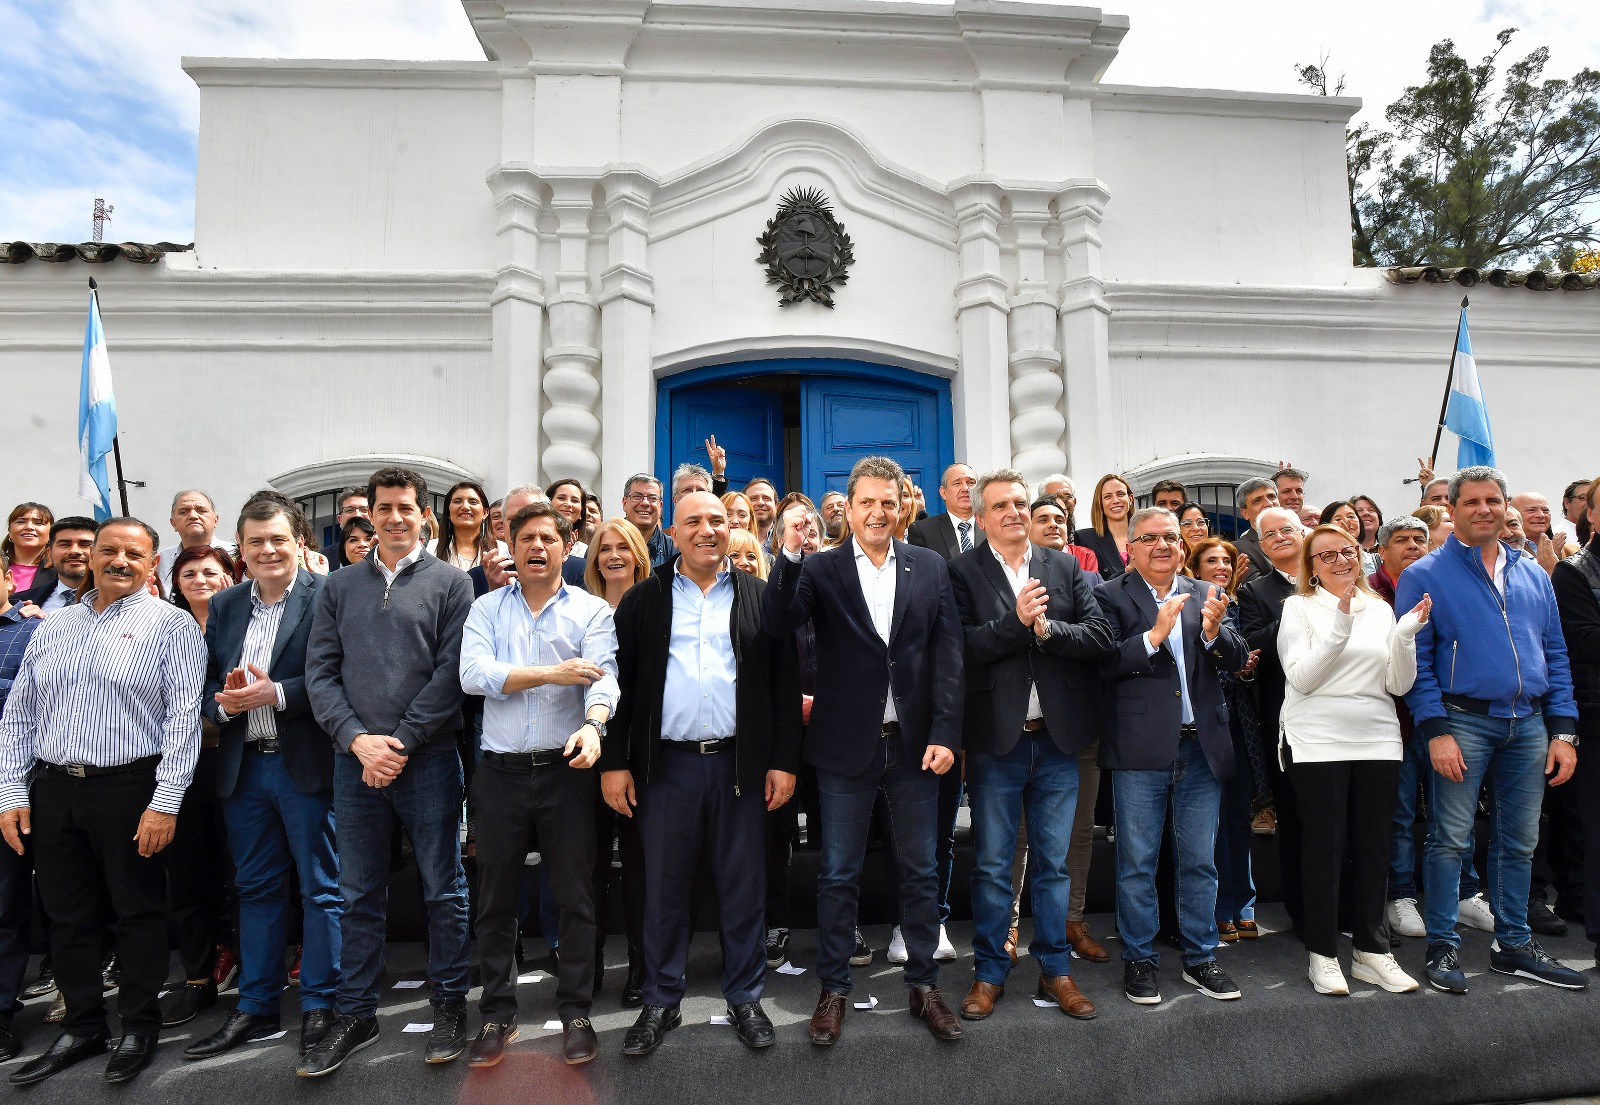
<point x="77" y="771"/>
<point x="704" y="747"/>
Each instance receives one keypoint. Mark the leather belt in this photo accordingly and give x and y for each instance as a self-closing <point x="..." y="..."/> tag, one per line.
<point x="1034" y="725"/>
<point x="90" y="771"/>
<point x="266" y="745"/>
<point x="1188" y="731"/>
<point x="890" y="729"/>
<point x="704" y="748"/>
<point x="1480" y="706"/>
<point x="524" y="762"/>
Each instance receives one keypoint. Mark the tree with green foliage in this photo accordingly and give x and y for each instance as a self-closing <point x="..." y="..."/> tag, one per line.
<point x="1466" y="176"/>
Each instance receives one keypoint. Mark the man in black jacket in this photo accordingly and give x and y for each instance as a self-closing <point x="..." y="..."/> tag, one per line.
<point x="1577" y="585"/>
<point x="1033" y="633"/>
<point x="886" y="716"/>
<point x="705" y="740"/>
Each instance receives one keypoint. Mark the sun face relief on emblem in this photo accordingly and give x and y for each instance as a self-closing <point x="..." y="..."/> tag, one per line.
<point x="805" y="249"/>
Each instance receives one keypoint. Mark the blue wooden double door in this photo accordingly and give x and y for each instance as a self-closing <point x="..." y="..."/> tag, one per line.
<point x="803" y="424"/>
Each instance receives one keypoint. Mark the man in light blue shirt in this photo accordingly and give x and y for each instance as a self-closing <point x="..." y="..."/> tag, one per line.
<point x="543" y="655"/>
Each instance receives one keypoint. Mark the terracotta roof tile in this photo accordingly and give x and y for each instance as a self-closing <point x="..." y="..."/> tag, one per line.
<point x="95" y="253"/>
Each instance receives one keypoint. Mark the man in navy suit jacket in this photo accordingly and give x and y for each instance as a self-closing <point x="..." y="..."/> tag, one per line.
<point x="886" y="715"/>
<point x="1167" y="738"/>
<point x="275" y="775"/>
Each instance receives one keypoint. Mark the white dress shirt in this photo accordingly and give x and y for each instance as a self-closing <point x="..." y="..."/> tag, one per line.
<point x="1018" y="580"/>
<point x="405" y="562"/>
<point x="878" y="584"/>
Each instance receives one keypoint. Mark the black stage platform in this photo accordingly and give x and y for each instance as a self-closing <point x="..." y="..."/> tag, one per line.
<point x="1507" y="1040"/>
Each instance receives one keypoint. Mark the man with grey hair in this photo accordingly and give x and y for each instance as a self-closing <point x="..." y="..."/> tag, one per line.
<point x="194" y="517"/>
<point x="1493" y="698"/>
<point x="833" y="510"/>
<point x="1250" y="499"/>
<point x="687" y="478"/>
<point x="641" y="505"/>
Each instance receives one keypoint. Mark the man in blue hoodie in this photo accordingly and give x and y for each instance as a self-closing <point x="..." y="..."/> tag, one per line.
<point x="1493" y="697"/>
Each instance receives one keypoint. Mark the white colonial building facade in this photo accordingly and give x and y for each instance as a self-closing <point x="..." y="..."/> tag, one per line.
<point x="545" y="264"/>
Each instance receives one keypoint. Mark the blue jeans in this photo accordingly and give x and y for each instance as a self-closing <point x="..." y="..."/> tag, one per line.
<point x="912" y="798"/>
<point x="427" y="799"/>
<point x="1402" y="847"/>
<point x="271" y="824"/>
<point x="1141" y="814"/>
<point x="1037" y="775"/>
<point x="1508" y="755"/>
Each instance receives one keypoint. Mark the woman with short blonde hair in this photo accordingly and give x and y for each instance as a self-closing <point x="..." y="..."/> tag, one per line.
<point x="744" y="553"/>
<point x="607" y="572"/>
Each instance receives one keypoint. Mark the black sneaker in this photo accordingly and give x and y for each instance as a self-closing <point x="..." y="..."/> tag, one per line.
<point x="1139" y="982"/>
<point x="777" y="947"/>
<point x="1211" y="980"/>
<point x="348" y="1035"/>
<point x="449" y="1036"/>
<point x="1532" y="961"/>
<point x="862" y="956"/>
<point x="1542" y="919"/>
<point x="1444" y="969"/>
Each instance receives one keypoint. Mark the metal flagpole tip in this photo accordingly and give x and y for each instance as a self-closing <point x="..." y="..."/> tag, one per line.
<point x="1463" y="300"/>
<point x="92" y="284"/>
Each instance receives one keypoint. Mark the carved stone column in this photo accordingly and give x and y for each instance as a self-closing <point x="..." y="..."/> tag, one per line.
<point x="516" y="309"/>
<point x="1037" y="424"/>
<point x="627" y="308"/>
<point x="571" y="379"/>
<point x="1085" y="330"/>
<point x="981" y="304"/>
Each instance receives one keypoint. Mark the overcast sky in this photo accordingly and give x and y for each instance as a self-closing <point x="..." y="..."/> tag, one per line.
<point x="93" y="101"/>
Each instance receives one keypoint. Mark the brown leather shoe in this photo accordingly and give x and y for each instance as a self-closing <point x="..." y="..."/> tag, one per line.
<point x="927" y="1005"/>
<point x="1085" y="945"/>
<point x="979" y="1002"/>
<point x="828" y="1021"/>
<point x="1011" y="946"/>
<point x="1065" y="993"/>
<point x="1227" y="932"/>
<point x="1248" y="930"/>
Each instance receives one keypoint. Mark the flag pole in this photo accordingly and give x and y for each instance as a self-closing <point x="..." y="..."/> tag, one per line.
<point x="116" y="442"/>
<point x="1449" y="382"/>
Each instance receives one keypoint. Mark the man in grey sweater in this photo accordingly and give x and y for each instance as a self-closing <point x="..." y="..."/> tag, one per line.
<point x="382" y="675"/>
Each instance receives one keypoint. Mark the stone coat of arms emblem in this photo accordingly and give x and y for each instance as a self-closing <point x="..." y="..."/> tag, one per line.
<point x="805" y="249"/>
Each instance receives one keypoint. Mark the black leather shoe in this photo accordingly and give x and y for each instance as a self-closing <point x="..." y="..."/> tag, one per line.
<point x="753" y="1025"/>
<point x="239" y="1028"/>
<point x="10" y="1044"/>
<point x="348" y="1035"/>
<point x="490" y="1045"/>
<point x="44" y="984"/>
<point x="650" y="1029"/>
<point x="67" y="1050"/>
<point x="314" y="1028"/>
<point x="580" y="1043"/>
<point x="110" y="973"/>
<point x="134" y="1052"/>
<point x="1542" y="919"/>
<point x="449" y="1036"/>
<point x="633" y="988"/>
<point x="184" y="1004"/>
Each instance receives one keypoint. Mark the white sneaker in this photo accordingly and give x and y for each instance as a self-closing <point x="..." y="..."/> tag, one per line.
<point x="946" y="951"/>
<point x="1381" y="970"/>
<point x="1474" y="912"/>
<point x="1404" y="917"/>
<point x="1325" y="975"/>
<point x="897" y="947"/>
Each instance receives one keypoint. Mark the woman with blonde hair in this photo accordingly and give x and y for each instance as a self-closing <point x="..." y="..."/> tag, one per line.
<point x="740" y="513"/>
<point x="616" y="560"/>
<point x="745" y="553"/>
<point x="1107" y="534"/>
<point x="1344" y="656"/>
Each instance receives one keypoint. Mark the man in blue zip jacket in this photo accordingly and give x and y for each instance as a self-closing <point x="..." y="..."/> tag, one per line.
<point x="1493" y="697"/>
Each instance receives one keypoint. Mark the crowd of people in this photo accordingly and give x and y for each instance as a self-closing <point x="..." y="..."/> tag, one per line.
<point x="224" y="735"/>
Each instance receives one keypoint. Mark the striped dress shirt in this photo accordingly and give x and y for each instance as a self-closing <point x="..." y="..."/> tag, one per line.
<point x="259" y="638"/>
<point x="107" y="688"/>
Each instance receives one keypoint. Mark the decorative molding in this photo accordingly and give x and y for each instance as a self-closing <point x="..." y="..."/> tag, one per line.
<point x="293" y="73"/>
<point x="326" y="475"/>
<point x="1196" y="468"/>
<point x="770" y="346"/>
<point x="1212" y="101"/>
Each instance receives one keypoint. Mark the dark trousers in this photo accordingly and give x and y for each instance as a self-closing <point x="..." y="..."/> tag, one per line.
<point x="89" y="868"/>
<point x="198" y="879"/>
<point x="911" y="797"/>
<point x="16" y="925"/>
<point x="688" y="802"/>
<point x="1347" y="808"/>
<point x="783" y="829"/>
<point x="612" y="828"/>
<point x="1558" y="857"/>
<point x="554" y="805"/>
<point x="1236" y="888"/>
<point x="1587" y="782"/>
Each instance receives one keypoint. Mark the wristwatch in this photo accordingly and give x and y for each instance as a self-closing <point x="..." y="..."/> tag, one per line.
<point x="1569" y="738"/>
<point x="599" y="727"/>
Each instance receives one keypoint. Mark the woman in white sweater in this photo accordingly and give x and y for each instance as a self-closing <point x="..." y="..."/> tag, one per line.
<point x="1343" y="657"/>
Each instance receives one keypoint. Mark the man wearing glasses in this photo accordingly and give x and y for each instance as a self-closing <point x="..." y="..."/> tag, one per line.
<point x="352" y="504"/>
<point x="1167" y="741"/>
<point x="641" y="505"/>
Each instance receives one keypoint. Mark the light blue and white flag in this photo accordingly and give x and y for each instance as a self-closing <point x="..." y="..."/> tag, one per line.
<point x="1465" y="415"/>
<point x="97" y="416"/>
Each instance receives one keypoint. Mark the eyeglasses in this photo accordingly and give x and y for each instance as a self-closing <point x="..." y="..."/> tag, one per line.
<point x="1151" y="540"/>
<point x="641" y="497"/>
<point x="1333" y="556"/>
<point x="1286" y="531"/>
<point x="1194" y="523"/>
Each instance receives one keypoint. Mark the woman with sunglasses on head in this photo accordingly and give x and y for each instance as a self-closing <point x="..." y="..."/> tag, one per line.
<point x="1107" y="534"/>
<point x="1343" y="656"/>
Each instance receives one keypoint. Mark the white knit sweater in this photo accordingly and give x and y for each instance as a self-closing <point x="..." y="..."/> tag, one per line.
<point x="1340" y="671"/>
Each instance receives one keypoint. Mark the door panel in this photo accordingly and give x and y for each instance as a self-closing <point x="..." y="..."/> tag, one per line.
<point x="845" y="419"/>
<point x="747" y="422"/>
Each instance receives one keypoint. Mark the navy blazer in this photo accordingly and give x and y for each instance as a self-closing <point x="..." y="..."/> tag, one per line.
<point x="306" y="749"/>
<point x="1005" y="658"/>
<point x="1144" y="697"/>
<point x="938" y="532"/>
<point x="921" y="665"/>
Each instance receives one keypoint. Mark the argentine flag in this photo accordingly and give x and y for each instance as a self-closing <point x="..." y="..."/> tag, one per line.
<point x="1465" y="415"/>
<point x="97" y="416"/>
